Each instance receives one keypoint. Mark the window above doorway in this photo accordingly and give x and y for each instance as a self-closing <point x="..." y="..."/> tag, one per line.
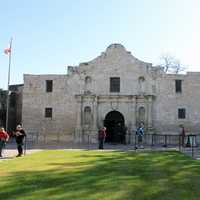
<point x="114" y="84"/>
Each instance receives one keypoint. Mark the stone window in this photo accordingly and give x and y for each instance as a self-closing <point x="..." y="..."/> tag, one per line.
<point x="178" y="86"/>
<point x="49" y="85"/>
<point x="181" y="113"/>
<point x="115" y="84"/>
<point x="48" y="112"/>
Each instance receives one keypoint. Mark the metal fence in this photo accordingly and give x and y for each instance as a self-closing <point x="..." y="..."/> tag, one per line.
<point x="189" y="144"/>
<point x="158" y="140"/>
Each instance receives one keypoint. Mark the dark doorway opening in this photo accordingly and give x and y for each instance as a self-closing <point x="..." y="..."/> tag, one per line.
<point x="114" y="122"/>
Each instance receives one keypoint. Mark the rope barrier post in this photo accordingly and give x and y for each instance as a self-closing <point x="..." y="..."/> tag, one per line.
<point x="152" y="140"/>
<point x="165" y="141"/>
<point x="88" y="141"/>
<point x="25" y="145"/>
<point x="135" y="141"/>
<point x="192" y="146"/>
<point x="179" y="143"/>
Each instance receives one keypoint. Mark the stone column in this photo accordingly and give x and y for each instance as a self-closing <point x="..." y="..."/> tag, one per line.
<point x="136" y="110"/>
<point x="95" y="112"/>
<point x="78" y="130"/>
<point x="132" y="122"/>
<point x="94" y="128"/>
<point x="150" y="112"/>
<point x="133" y="112"/>
<point x="79" y="111"/>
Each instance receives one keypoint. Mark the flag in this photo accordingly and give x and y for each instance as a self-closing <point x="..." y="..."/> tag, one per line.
<point x="7" y="50"/>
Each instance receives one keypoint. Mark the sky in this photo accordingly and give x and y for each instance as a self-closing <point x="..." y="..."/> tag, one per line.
<point x="49" y="35"/>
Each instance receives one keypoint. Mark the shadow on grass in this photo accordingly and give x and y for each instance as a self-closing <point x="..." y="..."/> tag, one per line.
<point x="108" y="175"/>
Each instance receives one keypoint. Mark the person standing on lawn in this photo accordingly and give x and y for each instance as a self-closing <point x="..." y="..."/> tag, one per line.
<point x="3" y="139"/>
<point x="20" y="135"/>
<point x="140" y="134"/>
<point x="102" y="137"/>
<point x="182" y="135"/>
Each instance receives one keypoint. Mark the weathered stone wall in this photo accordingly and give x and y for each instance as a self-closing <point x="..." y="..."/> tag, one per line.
<point x="168" y="101"/>
<point x="36" y="99"/>
<point x="88" y="84"/>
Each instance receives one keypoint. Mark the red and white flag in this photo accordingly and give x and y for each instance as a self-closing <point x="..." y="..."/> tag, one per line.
<point x="7" y="50"/>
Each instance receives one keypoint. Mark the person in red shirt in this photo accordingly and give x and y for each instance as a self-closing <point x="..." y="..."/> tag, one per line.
<point x="102" y="137"/>
<point x="3" y="139"/>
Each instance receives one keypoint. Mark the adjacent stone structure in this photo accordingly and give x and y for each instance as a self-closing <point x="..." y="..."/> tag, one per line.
<point x="115" y="90"/>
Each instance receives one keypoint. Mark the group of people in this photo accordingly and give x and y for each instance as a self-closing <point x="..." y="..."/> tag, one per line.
<point x="139" y="136"/>
<point x="139" y="133"/>
<point x="19" y="135"/>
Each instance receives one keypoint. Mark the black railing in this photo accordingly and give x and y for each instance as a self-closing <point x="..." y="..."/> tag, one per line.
<point x="164" y="140"/>
<point x="190" y="144"/>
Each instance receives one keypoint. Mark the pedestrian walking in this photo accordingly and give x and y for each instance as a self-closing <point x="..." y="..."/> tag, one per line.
<point x="140" y="134"/>
<point x="102" y="137"/>
<point x="182" y="135"/>
<point x="20" y="135"/>
<point x="3" y="139"/>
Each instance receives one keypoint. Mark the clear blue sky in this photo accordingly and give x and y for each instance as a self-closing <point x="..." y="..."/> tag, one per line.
<point x="49" y="35"/>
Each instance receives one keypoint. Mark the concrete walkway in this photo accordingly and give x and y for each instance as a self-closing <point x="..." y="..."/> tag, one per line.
<point x="11" y="149"/>
<point x="10" y="153"/>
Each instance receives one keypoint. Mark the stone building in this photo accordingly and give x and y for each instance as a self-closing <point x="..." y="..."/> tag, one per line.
<point x="115" y="90"/>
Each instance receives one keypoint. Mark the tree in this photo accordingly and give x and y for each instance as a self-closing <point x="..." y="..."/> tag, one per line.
<point x="171" y="64"/>
<point x="3" y="97"/>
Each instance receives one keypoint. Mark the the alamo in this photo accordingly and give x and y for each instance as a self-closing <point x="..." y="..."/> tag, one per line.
<point x="115" y="90"/>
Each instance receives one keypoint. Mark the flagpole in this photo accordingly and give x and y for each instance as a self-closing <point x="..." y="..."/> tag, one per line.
<point x="8" y="93"/>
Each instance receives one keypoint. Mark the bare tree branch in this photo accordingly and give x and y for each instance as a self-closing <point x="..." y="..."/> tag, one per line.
<point x="171" y="64"/>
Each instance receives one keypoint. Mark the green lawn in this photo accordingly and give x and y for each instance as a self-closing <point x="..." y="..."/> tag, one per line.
<point x="96" y="175"/>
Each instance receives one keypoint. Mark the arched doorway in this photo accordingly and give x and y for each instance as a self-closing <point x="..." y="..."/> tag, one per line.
<point x="114" y="122"/>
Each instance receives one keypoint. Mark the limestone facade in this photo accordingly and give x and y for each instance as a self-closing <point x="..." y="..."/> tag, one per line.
<point x="81" y="100"/>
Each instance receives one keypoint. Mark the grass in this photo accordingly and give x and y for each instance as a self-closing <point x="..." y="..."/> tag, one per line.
<point x="95" y="175"/>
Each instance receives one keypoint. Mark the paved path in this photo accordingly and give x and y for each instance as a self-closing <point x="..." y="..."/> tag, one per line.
<point x="195" y="153"/>
<point x="11" y="151"/>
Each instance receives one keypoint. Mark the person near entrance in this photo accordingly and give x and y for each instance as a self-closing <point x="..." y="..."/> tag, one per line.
<point x="140" y="134"/>
<point x="3" y="139"/>
<point x="20" y="135"/>
<point x="102" y="137"/>
<point x="114" y="123"/>
<point x="182" y="135"/>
